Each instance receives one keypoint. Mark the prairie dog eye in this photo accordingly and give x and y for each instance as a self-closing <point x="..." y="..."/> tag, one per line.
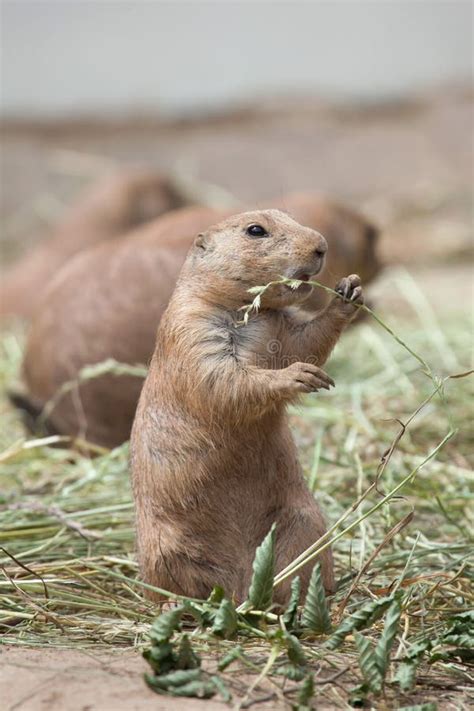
<point x="256" y="231"/>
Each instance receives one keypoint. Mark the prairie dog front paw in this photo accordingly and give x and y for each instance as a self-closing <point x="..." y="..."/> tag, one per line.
<point x="350" y="295"/>
<point x="302" y="378"/>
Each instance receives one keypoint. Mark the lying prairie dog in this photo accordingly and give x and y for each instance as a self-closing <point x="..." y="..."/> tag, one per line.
<point x="113" y="206"/>
<point x="107" y="303"/>
<point x="213" y="461"/>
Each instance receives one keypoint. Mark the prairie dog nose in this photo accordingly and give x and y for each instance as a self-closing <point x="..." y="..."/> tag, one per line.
<point x="321" y="246"/>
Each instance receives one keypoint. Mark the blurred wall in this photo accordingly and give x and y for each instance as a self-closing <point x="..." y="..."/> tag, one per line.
<point x="69" y="57"/>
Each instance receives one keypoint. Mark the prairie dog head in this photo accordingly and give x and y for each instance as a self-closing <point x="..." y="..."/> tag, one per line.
<point x="253" y="249"/>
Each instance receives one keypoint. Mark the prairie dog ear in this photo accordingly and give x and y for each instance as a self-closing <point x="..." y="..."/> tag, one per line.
<point x="203" y="241"/>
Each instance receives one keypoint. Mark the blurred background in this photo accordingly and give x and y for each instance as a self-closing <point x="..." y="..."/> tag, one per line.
<point x="93" y="58"/>
<point x="369" y="101"/>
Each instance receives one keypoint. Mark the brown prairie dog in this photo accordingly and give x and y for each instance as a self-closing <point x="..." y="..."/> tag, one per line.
<point x="105" y="303"/>
<point x="108" y="300"/>
<point x="111" y="207"/>
<point x="213" y="460"/>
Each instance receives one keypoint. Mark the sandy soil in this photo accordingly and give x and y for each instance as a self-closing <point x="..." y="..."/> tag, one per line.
<point x="72" y="680"/>
<point x="68" y="680"/>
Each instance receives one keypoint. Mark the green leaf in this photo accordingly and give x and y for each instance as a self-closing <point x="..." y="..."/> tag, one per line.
<point x="291" y="672"/>
<point x="459" y="636"/>
<point x="406" y="672"/>
<point x="358" y="696"/>
<point x="416" y="650"/>
<point x="208" y="609"/>
<point x="466" y="616"/>
<point x="464" y="641"/>
<point x="360" y="619"/>
<point x="387" y="638"/>
<point x="406" y="675"/>
<point x="290" y="616"/>
<point x="225" y="622"/>
<point x="187" y="657"/>
<point x="221" y="688"/>
<point x="306" y="692"/>
<point x="160" y="657"/>
<point x="175" y="678"/>
<point x="465" y="621"/>
<point x="227" y="659"/>
<point x="217" y="595"/>
<point x="167" y="623"/>
<point x="150" y="680"/>
<point x="189" y="682"/>
<point x="261" y="587"/>
<point x="431" y="706"/>
<point x="465" y="655"/>
<point x="315" y="616"/>
<point x="368" y="663"/>
<point x="294" y="649"/>
<point x="197" y="689"/>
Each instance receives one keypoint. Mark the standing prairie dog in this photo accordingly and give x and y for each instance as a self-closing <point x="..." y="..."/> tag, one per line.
<point x="108" y="300"/>
<point x="213" y="461"/>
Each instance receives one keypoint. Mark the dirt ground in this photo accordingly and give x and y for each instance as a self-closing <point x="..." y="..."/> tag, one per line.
<point x="409" y="167"/>
<point x="70" y="680"/>
<point x="67" y="680"/>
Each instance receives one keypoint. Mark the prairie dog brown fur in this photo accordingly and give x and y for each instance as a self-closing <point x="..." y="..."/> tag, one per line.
<point x="212" y="457"/>
<point x="105" y="303"/>
<point x="111" y="207"/>
<point x="108" y="300"/>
